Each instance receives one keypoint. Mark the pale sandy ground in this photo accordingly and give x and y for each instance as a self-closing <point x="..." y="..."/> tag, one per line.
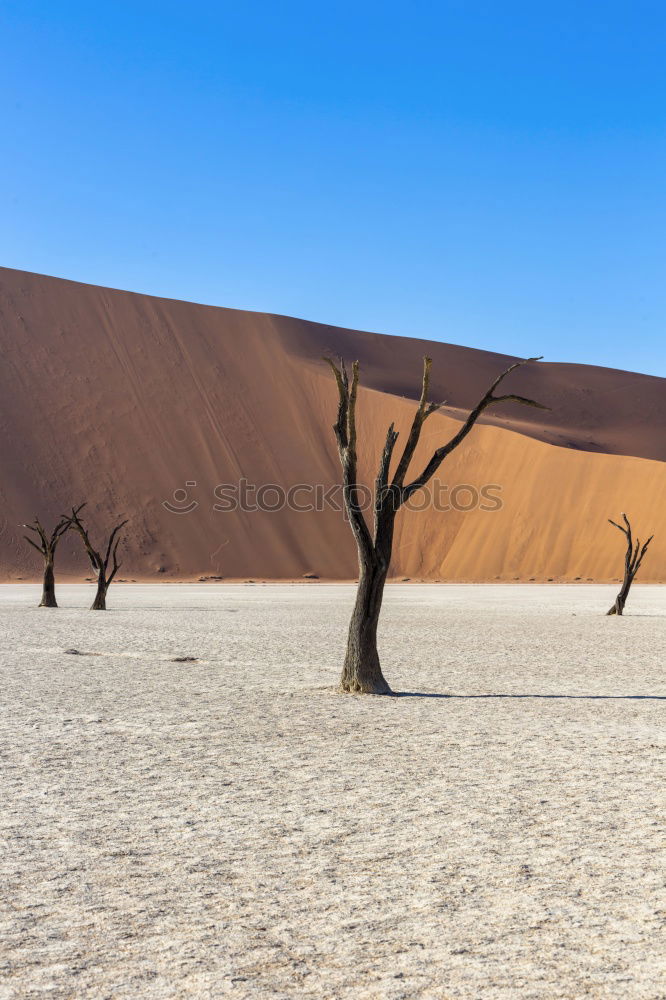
<point x="233" y="827"/>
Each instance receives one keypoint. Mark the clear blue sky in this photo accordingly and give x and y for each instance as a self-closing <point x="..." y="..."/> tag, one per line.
<point x="490" y="174"/>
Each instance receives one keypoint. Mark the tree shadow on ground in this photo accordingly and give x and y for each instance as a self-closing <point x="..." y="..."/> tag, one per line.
<point x="574" y="697"/>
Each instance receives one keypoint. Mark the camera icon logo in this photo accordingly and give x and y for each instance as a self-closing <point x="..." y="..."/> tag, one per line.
<point x="180" y="503"/>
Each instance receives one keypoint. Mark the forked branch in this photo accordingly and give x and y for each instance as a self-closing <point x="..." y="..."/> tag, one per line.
<point x="47" y="543"/>
<point x="423" y="411"/>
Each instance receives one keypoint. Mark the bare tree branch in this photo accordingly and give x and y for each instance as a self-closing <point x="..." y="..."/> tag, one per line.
<point x="340" y="427"/>
<point x="116" y="564"/>
<point x="487" y="400"/>
<point x="345" y="433"/>
<point x="34" y="544"/>
<point x="111" y="538"/>
<point x="381" y="482"/>
<point x="423" y="411"/>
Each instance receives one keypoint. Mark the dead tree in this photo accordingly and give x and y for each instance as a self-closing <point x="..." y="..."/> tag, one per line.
<point x="47" y="547"/>
<point x="632" y="563"/>
<point x="100" y="563"/>
<point x="362" y="671"/>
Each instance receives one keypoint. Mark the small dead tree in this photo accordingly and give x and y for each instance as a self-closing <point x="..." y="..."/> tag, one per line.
<point x="362" y="671"/>
<point x="100" y="563"/>
<point x="47" y="547"/>
<point x="632" y="563"/>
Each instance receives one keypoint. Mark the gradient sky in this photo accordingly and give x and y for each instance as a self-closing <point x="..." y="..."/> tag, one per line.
<point x="488" y="174"/>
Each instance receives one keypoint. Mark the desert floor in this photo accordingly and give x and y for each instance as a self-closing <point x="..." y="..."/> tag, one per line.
<point x="235" y="827"/>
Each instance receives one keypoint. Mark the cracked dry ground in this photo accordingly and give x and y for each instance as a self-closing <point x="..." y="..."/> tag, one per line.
<point x="231" y="826"/>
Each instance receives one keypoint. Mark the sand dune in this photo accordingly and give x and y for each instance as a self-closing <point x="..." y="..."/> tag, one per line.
<point x="120" y="399"/>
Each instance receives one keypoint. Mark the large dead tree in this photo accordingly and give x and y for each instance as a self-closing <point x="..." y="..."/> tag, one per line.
<point x="100" y="563"/>
<point x="47" y="548"/>
<point x="362" y="671"/>
<point x="632" y="562"/>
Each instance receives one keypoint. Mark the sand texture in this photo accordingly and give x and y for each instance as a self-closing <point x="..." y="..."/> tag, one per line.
<point x="121" y="399"/>
<point x="234" y="827"/>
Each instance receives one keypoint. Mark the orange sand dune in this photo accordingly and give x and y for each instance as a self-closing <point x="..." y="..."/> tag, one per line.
<point x="120" y="399"/>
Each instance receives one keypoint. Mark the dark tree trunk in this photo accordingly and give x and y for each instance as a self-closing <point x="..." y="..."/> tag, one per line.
<point x="47" y="548"/>
<point x="99" y="604"/>
<point x="620" y="601"/>
<point x="48" y="591"/>
<point x="362" y="671"/>
<point x="633" y="558"/>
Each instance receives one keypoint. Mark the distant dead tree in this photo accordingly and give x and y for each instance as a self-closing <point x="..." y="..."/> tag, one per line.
<point x="361" y="671"/>
<point x="100" y="563"/>
<point x="47" y="547"/>
<point x="632" y="563"/>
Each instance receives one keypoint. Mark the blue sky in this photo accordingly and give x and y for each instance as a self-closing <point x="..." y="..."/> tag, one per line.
<point x="489" y="174"/>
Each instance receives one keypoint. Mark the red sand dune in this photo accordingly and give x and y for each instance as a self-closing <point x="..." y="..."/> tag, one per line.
<point x="119" y="399"/>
